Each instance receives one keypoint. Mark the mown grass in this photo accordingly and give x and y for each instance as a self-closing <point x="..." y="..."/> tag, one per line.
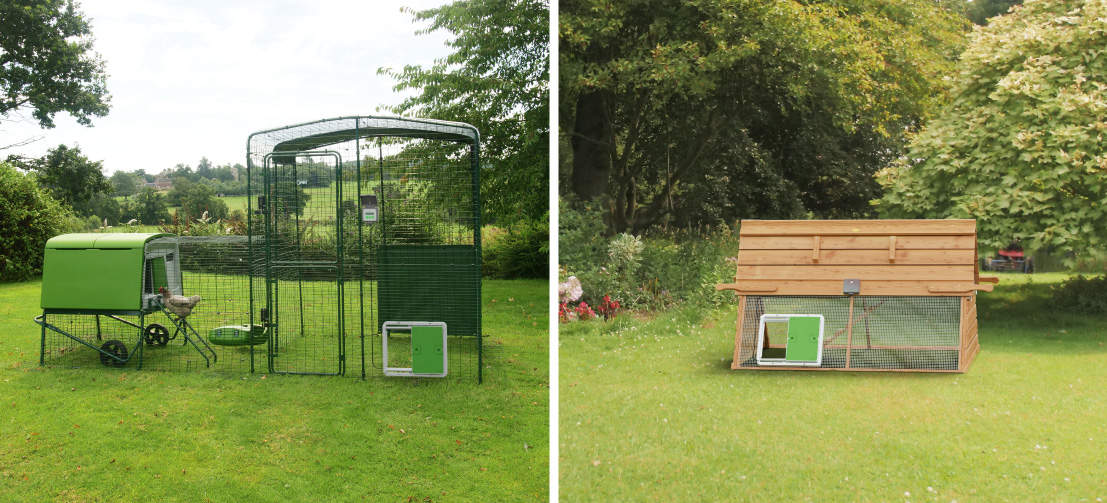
<point x="98" y="434"/>
<point x="650" y="411"/>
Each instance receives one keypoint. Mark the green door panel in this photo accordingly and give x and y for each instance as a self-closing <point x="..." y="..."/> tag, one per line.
<point x="426" y="350"/>
<point x="157" y="273"/>
<point x="803" y="339"/>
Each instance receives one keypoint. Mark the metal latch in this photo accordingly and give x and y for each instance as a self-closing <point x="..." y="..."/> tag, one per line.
<point x="851" y="287"/>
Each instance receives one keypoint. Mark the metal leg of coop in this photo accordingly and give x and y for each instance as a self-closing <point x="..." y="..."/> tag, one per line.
<point x="42" y="345"/>
<point x="139" y="345"/>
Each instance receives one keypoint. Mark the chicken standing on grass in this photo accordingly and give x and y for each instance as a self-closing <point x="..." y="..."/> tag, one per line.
<point x="178" y="304"/>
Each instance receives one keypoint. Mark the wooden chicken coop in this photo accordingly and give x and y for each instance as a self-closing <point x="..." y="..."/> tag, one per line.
<point x="868" y="295"/>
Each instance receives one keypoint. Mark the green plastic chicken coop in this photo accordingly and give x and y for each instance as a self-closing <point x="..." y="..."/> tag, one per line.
<point x="110" y="277"/>
<point x="360" y="255"/>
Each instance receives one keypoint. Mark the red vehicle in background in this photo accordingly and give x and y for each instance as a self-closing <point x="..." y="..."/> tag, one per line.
<point x="1010" y="258"/>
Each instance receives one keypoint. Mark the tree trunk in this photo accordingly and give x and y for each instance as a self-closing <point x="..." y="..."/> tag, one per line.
<point x="591" y="146"/>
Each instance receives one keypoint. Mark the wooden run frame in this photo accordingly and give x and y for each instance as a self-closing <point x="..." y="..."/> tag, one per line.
<point x="910" y="258"/>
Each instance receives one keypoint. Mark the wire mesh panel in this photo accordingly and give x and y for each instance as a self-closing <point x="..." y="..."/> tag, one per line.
<point x="93" y="330"/>
<point x="889" y="332"/>
<point x="301" y="202"/>
<point x="835" y="311"/>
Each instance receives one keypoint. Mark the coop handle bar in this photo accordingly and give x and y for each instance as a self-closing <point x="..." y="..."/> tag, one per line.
<point x="962" y="288"/>
<point x="740" y="288"/>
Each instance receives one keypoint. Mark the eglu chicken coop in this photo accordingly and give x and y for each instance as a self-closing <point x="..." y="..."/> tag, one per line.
<point x="883" y="295"/>
<point x="361" y="256"/>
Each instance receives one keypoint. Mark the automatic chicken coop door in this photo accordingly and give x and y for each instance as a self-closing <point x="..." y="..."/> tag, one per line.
<point x="790" y="339"/>
<point x="427" y="344"/>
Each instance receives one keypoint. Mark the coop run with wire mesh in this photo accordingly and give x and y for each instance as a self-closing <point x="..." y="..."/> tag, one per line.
<point x="876" y="295"/>
<point x="361" y="256"/>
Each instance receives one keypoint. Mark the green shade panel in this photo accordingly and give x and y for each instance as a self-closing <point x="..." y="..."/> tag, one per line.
<point x="427" y="282"/>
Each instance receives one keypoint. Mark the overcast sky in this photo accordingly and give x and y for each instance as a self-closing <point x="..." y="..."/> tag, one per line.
<point x="194" y="78"/>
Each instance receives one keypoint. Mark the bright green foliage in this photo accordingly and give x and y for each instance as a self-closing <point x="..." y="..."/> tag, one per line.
<point x="497" y="79"/>
<point x="69" y="176"/>
<point x="706" y="111"/>
<point x="1021" y="147"/>
<point x="47" y="62"/>
<point x="28" y="217"/>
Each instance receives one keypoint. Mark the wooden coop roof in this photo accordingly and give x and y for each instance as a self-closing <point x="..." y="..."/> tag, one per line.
<point x="887" y="257"/>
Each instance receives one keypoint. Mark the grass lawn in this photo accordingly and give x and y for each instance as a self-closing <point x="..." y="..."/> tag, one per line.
<point x="99" y="434"/>
<point x="650" y="411"/>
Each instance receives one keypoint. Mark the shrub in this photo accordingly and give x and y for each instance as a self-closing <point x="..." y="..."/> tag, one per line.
<point x="581" y="234"/>
<point x="28" y="217"/>
<point x="522" y="252"/>
<point x="90" y="223"/>
<point x="1081" y="295"/>
<point x="658" y="270"/>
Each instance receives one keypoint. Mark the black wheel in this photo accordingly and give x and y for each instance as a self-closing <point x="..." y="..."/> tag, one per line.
<point x="156" y="334"/>
<point x="116" y="348"/>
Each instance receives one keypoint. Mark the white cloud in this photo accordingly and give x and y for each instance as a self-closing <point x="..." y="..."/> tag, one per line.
<point x="191" y="79"/>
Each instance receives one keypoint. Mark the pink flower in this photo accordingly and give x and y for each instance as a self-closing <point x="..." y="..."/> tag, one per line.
<point x="570" y="290"/>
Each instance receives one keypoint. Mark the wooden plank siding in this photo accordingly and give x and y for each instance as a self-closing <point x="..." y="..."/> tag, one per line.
<point x="928" y="242"/>
<point x="857" y="227"/>
<point x="856" y="257"/>
<point x="862" y="272"/>
<point x="889" y="257"/>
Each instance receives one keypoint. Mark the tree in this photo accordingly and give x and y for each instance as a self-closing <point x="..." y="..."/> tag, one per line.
<point x="69" y="176"/>
<point x="105" y="207"/>
<point x="704" y="111"/>
<point x="147" y="206"/>
<point x="181" y="184"/>
<point x="290" y="198"/>
<point x="497" y="79"/>
<point x="28" y="217"/>
<point x="198" y="199"/>
<point x="47" y="63"/>
<point x="203" y="169"/>
<point x="123" y="183"/>
<point x="1020" y="148"/>
<point x="979" y="11"/>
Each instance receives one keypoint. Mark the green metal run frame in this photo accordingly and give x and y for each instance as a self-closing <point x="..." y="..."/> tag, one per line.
<point x="420" y="262"/>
